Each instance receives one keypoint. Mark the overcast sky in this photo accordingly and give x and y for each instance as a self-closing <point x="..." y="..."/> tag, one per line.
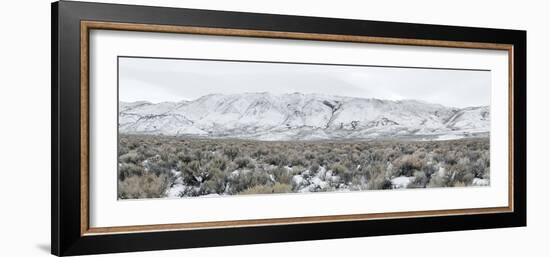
<point x="158" y="80"/>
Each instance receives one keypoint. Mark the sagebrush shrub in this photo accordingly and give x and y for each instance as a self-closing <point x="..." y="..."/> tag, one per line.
<point x="144" y="186"/>
<point x="243" y="162"/>
<point x="268" y="189"/>
<point x="406" y="165"/>
<point x="231" y="166"/>
<point x="129" y="169"/>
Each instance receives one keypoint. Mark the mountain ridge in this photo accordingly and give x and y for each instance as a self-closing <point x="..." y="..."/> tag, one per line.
<point x="297" y="116"/>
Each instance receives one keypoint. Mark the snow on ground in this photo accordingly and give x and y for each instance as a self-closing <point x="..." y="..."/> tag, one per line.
<point x="448" y="137"/>
<point x="480" y="182"/>
<point x="401" y="182"/>
<point x="306" y="182"/>
<point x="209" y="195"/>
<point x="322" y="180"/>
<point x="441" y="172"/>
<point x="175" y="190"/>
<point x="298" y="180"/>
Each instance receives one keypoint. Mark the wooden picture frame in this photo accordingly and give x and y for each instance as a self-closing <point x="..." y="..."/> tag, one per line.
<point x="71" y="26"/>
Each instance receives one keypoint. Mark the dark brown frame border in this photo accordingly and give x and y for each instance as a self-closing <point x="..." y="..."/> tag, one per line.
<point x="70" y="231"/>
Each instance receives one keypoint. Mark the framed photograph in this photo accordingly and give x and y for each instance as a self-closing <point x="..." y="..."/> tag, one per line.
<point x="178" y="128"/>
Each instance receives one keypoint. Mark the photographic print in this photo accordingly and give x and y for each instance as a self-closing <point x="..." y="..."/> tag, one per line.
<point x="203" y="128"/>
<point x="171" y="131"/>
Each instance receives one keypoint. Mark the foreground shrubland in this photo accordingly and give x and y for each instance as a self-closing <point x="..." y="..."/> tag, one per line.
<point x="162" y="166"/>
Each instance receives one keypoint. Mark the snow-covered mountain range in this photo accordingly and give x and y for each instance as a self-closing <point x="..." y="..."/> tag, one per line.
<point x="265" y="116"/>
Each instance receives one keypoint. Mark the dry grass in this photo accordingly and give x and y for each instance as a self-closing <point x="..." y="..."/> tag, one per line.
<point x="277" y="188"/>
<point x="144" y="186"/>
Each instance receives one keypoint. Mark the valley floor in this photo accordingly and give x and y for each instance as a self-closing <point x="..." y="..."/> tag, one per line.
<point x="165" y="166"/>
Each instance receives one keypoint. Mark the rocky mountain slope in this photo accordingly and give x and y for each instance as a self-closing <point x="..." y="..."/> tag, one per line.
<point x="265" y="116"/>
